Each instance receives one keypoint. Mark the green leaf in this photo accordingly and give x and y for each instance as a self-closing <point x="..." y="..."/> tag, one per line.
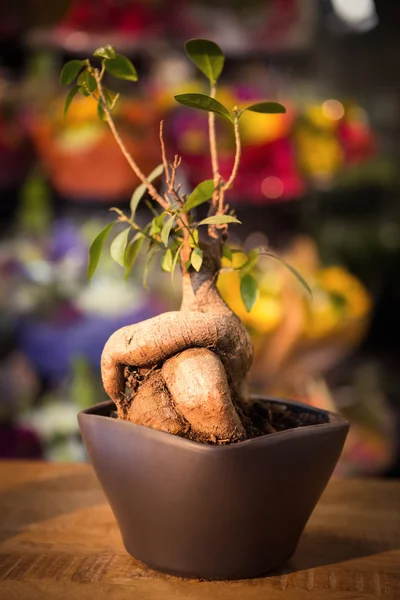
<point x="194" y="238"/>
<point x="118" y="247"/>
<point x="207" y="56"/>
<point x="121" y="67"/>
<point x="251" y="261"/>
<point x="219" y="220"/>
<point x="248" y="291"/>
<point x="111" y="98"/>
<point x="96" y="249"/>
<point x="86" y="80"/>
<point x="151" y="208"/>
<point x="106" y="52"/>
<point x="196" y="258"/>
<point x="201" y="193"/>
<point x="101" y="113"/>
<point x="90" y="82"/>
<point x="131" y="253"/>
<point x="70" y="71"/>
<point x="166" y="230"/>
<point x="175" y="261"/>
<point x="71" y="94"/>
<point x="227" y="252"/>
<point x="81" y="78"/>
<point x="167" y="261"/>
<point x="155" y="228"/>
<point x="299" y="277"/>
<point x="84" y="91"/>
<point x="268" y="108"/>
<point x="150" y="254"/>
<point x="203" y="102"/>
<point x="140" y="190"/>
<point x="157" y="224"/>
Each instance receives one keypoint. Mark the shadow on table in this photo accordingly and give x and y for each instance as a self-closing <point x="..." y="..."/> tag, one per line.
<point x="317" y="549"/>
<point x="38" y="501"/>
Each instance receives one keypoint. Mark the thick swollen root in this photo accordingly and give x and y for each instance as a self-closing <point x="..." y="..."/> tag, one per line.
<point x="197" y="382"/>
<point x="153" y="341"/>
<point x="152" y="407"/>
<point x="203" y="357"/>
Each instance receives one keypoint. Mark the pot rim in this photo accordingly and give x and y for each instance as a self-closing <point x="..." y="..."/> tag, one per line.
<point x="336" y="422"/>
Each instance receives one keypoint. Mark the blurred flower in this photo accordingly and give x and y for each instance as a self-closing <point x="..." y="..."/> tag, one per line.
<point x="339" y="300"/>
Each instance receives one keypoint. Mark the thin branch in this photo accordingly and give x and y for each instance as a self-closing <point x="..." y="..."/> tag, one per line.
<point x="186" y="226"/>
<point x="213" y="141"/>
<point x="169" y="177"/>
<point x="124" y="219"/>
<point x="135" y="168"/>
<point x="214" y="156"/>
<point x="221" y="208"/>
<point x="186" y="249"/>
<point x="174" y="167"/>
<point x="164" y="157"/>
<point x="114" y="102"/>
<point x="238" y="153"/>
<point x="172" y="191"/>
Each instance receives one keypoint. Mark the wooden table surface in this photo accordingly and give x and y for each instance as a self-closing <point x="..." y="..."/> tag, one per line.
<point x="59" y="541"/>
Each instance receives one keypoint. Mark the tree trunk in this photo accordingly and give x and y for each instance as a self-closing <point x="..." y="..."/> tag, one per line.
<point x="185" y="370"/>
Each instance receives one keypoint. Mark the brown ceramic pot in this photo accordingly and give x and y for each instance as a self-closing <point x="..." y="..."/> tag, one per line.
<point x="214" y="512"/>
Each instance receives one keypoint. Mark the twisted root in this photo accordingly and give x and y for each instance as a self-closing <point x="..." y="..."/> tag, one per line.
<point x="199" y="362"/>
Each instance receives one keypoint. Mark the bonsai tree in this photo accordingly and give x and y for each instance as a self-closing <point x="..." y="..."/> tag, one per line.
<point x="183" y="372"/>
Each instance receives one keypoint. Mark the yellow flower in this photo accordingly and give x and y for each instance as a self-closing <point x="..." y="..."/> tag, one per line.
<point x="318" y="117"/>
<point x="320" y="155"/>
<point x="260" y="129"/>
<point x="340" y="301"/>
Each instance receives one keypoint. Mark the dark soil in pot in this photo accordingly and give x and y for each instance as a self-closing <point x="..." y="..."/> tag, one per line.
<point x="268" y="417"/>
<point x="263" y="417"/>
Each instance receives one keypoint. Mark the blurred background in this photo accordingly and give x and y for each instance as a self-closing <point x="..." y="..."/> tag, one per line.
<point x="320" y="185"/>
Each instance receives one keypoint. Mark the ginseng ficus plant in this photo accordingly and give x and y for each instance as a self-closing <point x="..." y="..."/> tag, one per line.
<point x="183" y="372"/>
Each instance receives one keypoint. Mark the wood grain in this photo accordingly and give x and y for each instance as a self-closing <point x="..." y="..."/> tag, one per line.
<point x="59" y="540"/>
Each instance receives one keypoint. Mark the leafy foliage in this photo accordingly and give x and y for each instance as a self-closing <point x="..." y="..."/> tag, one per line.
<point x="267" y="108"/>
<point x="90" y="82"/>
<point x="294" y="271"/>
<point x="111" y="98"/>
<point x="118" y="247"/>
<point x="149" y="257"/>
<point x="219" y="220"/>
<point x="226" y="252"/>
<point x="157" y="225"/>
<point x="176" y="259"/>
<point x="96" y="249"/>
<point x="121" y="67"/>
<point x="194" y="238"/>
<point x="70" y="71"/>
<point x="250" y="261"/>
<point x="70" y="96"/>
<point x="167" y="261"/>
<point x="168" y="231"/>
<point x="106" y="52"/>
<point x="203" y="102"/>
<point x="201" y="193"/>
<point x="132" y="252"/>
<point x="101" y="113"/>
<point x="207" y="56"/>
<point x="248" y="290"/>
<point x="196" y="258"/>
<point x="141" y="189"/>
